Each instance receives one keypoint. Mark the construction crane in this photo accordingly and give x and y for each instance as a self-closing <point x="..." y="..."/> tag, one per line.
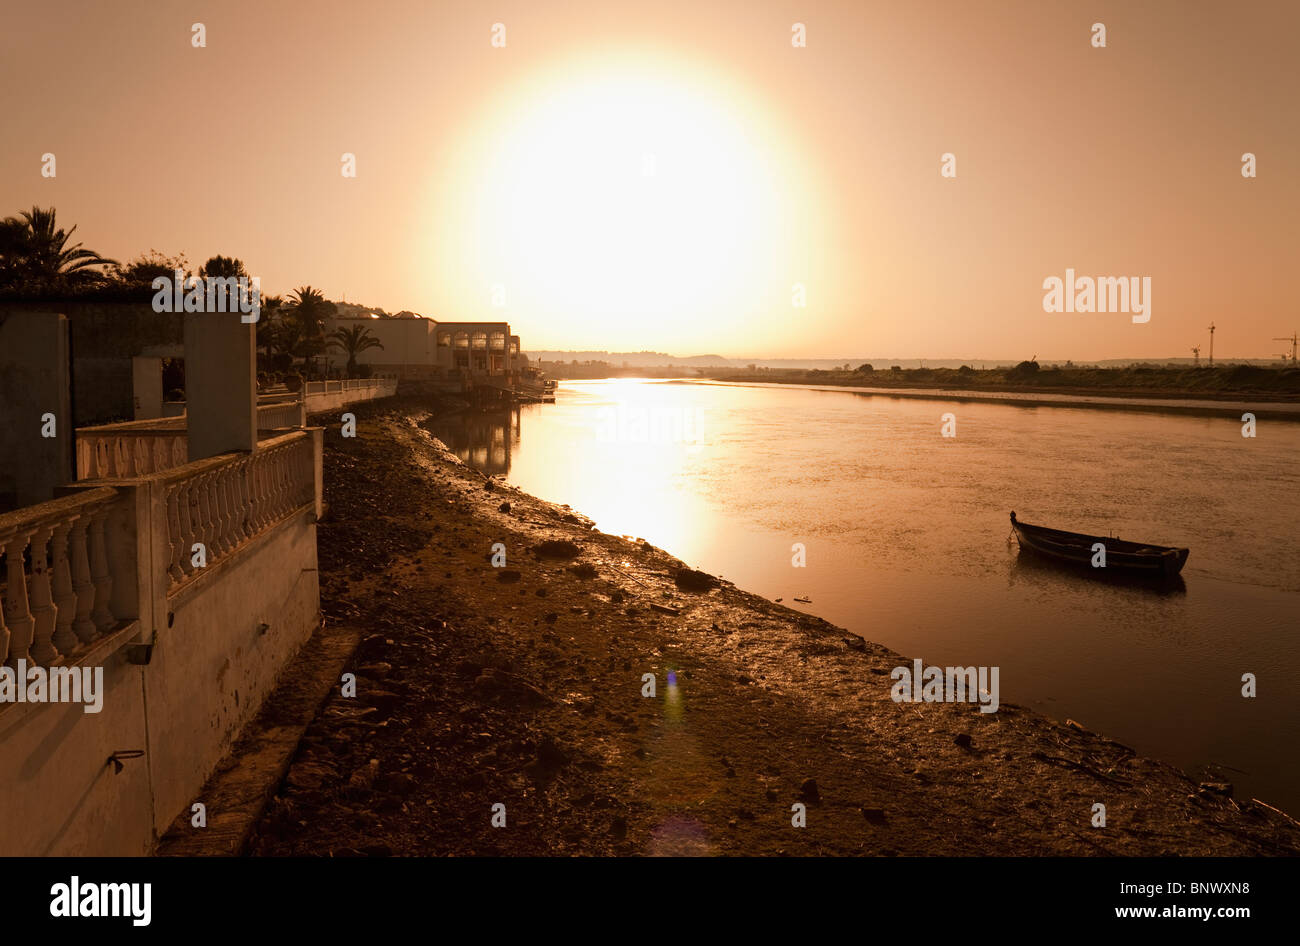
<point x="1196" y="353"/>
<point x="1293" y="339"/>
<point x="1211" y="344"/>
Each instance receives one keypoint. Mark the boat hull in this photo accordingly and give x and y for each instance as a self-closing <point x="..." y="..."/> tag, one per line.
<point x="1075" y="548"/>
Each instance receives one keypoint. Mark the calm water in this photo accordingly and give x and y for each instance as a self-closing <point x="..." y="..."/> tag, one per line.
<point x="906" y="537"/>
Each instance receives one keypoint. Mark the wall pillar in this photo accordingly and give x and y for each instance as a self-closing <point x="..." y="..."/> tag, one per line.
<point x="220" y="384"/>
<point x="36" y="433"/>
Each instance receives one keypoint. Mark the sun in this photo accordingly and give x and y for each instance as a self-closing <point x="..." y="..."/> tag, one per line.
<point x="605" y="196"/>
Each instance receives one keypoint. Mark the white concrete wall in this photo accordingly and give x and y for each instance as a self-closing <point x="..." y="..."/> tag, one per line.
<point x="222" y="640"/>
<point x="146" y="382"/>
<point x="405" y="341"/>
<point x="213" y="666"/>
<point x="58" y="793"/>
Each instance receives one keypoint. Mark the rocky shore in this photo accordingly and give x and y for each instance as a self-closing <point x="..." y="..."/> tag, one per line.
<point x="522" y="686"/>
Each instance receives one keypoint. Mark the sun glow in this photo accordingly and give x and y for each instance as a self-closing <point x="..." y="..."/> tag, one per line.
<point x="619" y="204"/>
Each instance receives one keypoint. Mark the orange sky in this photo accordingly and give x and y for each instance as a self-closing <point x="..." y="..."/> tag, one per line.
<point x="523" y="167"/>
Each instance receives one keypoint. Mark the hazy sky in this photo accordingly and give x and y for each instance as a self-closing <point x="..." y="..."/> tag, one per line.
<point x="660" y="174"/>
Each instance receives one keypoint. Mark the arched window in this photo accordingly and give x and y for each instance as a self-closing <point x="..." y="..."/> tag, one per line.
<point x="462" y="340"/>
<point x="479" y="340"/>
<point x="498" y="341"/>
<point x="444" y="339"/>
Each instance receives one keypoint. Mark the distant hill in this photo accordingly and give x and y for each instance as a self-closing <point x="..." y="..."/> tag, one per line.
<point x="657" y="359"/>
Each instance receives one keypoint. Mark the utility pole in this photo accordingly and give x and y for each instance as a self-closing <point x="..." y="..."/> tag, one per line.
<point x="1293" y="339"/>
<point x="1211" y="344"/>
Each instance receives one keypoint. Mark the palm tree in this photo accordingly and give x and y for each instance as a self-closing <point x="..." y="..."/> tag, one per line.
<point x="34" y="249"/>
<point x="354" y="341"/>
<point x="270" y="327"/>
<point x="304" y="323"/>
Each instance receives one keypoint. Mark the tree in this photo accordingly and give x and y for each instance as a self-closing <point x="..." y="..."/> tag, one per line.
<point x="226" y="268"/>
<point x="144" y="269"/>
<point x="354" y="341"/>
<point x="304" y="323"/>
<point x="34" y="250"/>
<point x="270" y="332"/>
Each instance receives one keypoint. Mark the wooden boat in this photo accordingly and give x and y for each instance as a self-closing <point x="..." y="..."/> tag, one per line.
<point x="1129" y="558"/>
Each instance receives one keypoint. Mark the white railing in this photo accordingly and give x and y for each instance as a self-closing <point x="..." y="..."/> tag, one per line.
<point x="60" y="603"/>
<point x="103" y="454"/>
<point x="281" y="414"/>
<point x="144" y="447"/>
<point x="223" y="502"/>
<point x="368" y="386"/>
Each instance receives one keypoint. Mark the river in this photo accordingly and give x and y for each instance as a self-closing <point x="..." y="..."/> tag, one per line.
<point x="905" y="540"/>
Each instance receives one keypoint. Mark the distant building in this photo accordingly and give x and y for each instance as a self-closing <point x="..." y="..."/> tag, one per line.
<point x="419" y="348"/>
<point x="479" y="349"/>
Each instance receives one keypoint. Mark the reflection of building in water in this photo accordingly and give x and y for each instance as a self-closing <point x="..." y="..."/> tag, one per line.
<point x="482" y="438"/>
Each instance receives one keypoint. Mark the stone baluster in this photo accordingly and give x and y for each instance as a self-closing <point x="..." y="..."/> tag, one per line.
<point x="44" y="611"/>
<point x="174" y="569"/>
<point x="229" y="509"/>
<point x="201" y="515"/>
<point x="282" y="482"/>
<point x="212" y="492"/>
<point x="65" y="598"/>
<point x="4" y="630"/>
<point x="212" y="497"/>
<point x="243" y="502"/>
<point x="272" y="486"/>
<point x="17" y="614"/>
<point x="263" y="486"/>
<point x="216" y="547"/>
<point x="291" y="457"/>
<point x="82" y="583"/>
<point x="221" y="512"/>
<point x="186" y="512"/>
<point x="100" y="574"/>
<point x="248" y="473"/>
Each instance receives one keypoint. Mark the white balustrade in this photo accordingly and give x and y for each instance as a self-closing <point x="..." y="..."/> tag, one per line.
<point x="225" y="501"/>
<point x="57" y="584"/>
<point x="104" y="453"/>
<point x="280" y="414"/>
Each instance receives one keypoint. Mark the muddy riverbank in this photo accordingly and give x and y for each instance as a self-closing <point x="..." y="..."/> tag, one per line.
<point x="522" y="686"/>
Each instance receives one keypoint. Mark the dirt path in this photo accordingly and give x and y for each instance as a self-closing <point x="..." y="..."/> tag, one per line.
<point x="522" y="686"/>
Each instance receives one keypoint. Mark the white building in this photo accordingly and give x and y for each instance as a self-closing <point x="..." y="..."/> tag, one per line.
<point x="425" y="349"/>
